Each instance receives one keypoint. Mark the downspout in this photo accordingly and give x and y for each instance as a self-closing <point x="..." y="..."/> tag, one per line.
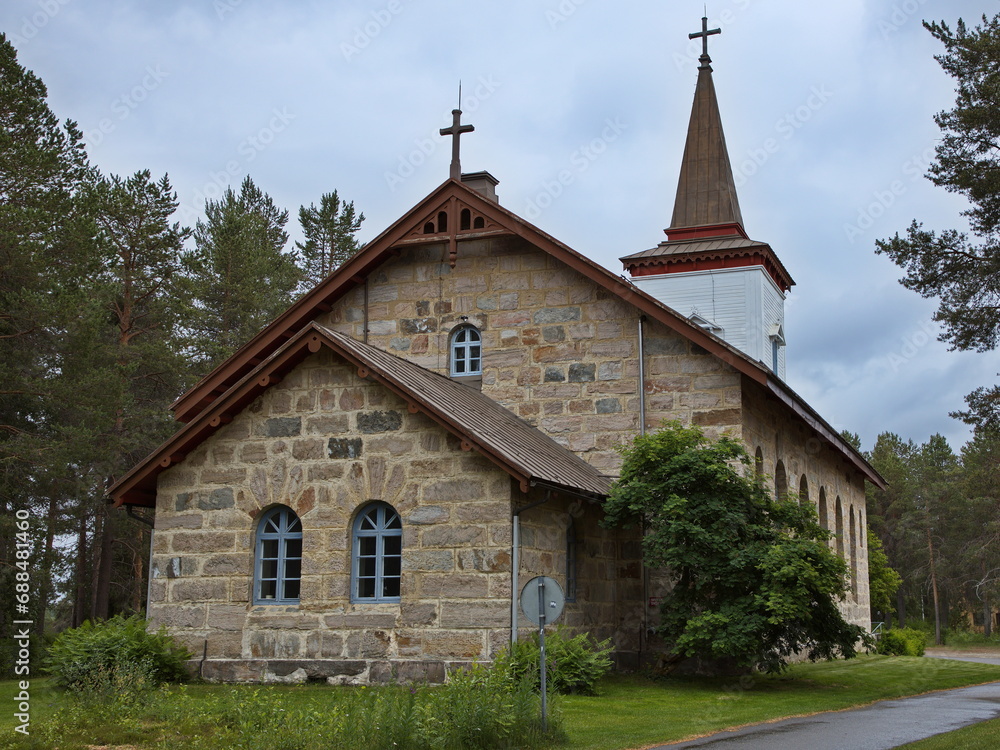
<point x="642" y="378"/>
<point x="644" y="635"/>
<point x="365" y="332"/>
<point x="515" y="562"/>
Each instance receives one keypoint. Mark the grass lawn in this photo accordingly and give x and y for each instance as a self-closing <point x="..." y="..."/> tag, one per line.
<point x="635" y="712"/>
<point x="630" y="712"/>
<point x="974" y="737"/>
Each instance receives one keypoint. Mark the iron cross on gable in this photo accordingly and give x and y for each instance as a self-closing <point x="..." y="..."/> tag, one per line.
<point x="455" y="131"/>
<point x="705" y="33"/>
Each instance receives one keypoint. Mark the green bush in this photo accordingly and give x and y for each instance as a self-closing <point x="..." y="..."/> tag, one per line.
<point x="115" y="657"/>
<point x="902" y="642"/>
<point x="573" y="664"/>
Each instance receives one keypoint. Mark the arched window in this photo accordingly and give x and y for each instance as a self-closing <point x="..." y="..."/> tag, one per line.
<point x="854" y="555"/>
<point x="804" y="491"/>
<point x="376" y="556"/>
<point x="466" y="351"/>
<point x="758" y="462"/>
<point x="824" y="520"/>
<point x="780" y="481"/>
<point x="278" y="557"/>
<point x="839" y="527"/>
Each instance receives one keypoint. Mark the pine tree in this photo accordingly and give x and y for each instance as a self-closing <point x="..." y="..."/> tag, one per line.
<point x="241" y="278"/>
<point x="963" y="272"/>
<point x="329" y="232"/>
<point x="42" y="166"/>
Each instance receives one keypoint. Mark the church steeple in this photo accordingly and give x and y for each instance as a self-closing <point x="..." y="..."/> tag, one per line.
<point x="706" y="190"/>
<point x="708" y="269"/>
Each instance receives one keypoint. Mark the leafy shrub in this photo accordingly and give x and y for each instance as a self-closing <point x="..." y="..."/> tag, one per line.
<point x="115" y="657"/>
<point x="902" y="642"/>
<point x="573" y="664"/>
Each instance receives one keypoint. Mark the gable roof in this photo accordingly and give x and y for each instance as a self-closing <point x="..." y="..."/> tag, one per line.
<point x="435" y="220"/>
<point x="483" y="425"/>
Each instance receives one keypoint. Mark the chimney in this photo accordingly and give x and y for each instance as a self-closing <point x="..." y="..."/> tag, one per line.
<point x="484" y="183"/>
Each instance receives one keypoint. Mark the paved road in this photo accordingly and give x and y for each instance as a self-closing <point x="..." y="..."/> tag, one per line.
<point x="880" y="726"/>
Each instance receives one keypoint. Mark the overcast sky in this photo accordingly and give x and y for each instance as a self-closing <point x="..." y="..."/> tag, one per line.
<point x="827" y="109"/>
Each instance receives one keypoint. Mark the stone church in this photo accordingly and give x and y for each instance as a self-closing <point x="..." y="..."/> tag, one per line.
<point x="361" y="490"/>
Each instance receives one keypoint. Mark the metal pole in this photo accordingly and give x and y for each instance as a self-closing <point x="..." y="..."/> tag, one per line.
<point x="541" y="649"/>
<point x="515" y="564"/>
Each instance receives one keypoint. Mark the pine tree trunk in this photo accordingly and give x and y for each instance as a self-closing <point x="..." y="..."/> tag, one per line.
<point x="934" y="589"/>
<point x="102" y="588"/>
<point x="45" y="585"/>
<point x="901" y="607"/>
<point x="80" y="597"/>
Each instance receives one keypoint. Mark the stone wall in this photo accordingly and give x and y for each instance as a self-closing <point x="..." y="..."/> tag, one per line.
<point x="325" y="442"/>
<point x="819" y="474"/>
<point x="559" y="350"/>
<point x="609" y="574"/>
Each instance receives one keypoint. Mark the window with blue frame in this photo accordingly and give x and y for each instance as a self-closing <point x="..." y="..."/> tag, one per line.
<point x="278" y="558"/>
<point x="466" y="351"/>
<point x="377" y="554"/>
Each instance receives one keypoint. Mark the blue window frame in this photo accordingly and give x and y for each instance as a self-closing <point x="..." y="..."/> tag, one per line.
<point x="377" y="554"/>
<point x="278" y="558"/>
<point x="466" y="351"/>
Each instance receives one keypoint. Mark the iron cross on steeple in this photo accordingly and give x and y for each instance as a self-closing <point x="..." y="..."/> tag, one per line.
<point x="704" y="34"/>
<point x="455" y="131"/>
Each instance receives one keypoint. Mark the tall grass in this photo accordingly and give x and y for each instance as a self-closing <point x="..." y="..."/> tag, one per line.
<point x="478" y="709"/>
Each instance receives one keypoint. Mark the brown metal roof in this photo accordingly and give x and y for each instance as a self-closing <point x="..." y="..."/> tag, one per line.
<point x="697" y="246"/>
<point x="483" y="425"/>
<point x="706" y="190"/>
<point x="481" y="420"/>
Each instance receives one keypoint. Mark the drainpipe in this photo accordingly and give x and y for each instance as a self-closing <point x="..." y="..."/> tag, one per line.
<point x="644" y="635"/>
<point x="515" y="562"/>
<point x="642" y="378"/>
<point x="365" y="337"/>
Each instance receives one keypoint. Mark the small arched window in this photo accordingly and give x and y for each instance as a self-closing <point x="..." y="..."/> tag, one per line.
<point x="780" y="481"/>
<point x="278" y="557"/>
<point x="377" y="554"/>
<point x="466" y="350"/>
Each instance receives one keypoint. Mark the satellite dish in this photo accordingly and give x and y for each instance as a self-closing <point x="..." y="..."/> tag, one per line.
<point x="542" y="592"/>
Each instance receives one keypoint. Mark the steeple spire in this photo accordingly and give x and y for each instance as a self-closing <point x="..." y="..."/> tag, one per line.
<point x="706" y="190"/>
